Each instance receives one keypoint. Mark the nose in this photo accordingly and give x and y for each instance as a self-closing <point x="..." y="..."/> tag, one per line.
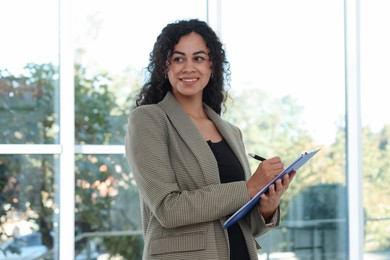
<point x="189" y="66"/>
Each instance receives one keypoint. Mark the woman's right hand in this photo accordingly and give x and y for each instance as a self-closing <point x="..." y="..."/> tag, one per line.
<point x="266" y="171"/>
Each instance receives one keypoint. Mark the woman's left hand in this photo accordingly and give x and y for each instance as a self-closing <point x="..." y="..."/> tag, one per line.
<point x="270" y="201"/>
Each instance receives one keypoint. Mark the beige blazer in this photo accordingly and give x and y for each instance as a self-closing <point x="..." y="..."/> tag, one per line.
<point x="183" y="203"/>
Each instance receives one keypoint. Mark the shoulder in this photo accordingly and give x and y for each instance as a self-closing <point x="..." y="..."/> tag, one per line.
<point x="230" y="124"/>
<point x="233" y="128"/>
<point x="147" y="111"/>
<point x="147" y="116"/>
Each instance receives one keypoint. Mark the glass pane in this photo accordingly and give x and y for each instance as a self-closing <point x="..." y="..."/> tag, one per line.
<point x="108" y="218"/>
<point x="29" y="72"/>
<point x="287" y="87"/>
<point x="29" y="209"/>
<point x="375" y="82"/>
<point x="113" y="41"/>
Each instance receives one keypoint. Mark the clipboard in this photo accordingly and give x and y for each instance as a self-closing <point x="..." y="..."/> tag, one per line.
<point x="294" y="166"/>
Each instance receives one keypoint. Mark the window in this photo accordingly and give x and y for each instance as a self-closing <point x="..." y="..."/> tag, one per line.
<point x="375" y="56"/>
<point x="29" y="129"/>
<point x="288" y="96"/>
<point x="62" y="182"/>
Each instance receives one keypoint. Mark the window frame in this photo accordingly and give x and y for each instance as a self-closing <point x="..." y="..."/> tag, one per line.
<point x="67" y="149"/>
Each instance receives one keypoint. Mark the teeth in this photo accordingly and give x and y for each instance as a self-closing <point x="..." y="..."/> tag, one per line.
<point x="189" y="80"/>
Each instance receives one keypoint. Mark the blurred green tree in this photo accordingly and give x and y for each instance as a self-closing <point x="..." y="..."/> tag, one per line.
<point x="106" y="197"/>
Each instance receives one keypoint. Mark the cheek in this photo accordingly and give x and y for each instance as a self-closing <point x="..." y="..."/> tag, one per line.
<point x="207" y="72"/>
<point x="172" y="70"/>
<point x="210" y="68"/>
<point x="170" y="73"/>
<point x="171" y="77"/>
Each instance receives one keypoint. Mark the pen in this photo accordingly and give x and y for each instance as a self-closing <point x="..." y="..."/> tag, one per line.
<point x="257" y="157"/>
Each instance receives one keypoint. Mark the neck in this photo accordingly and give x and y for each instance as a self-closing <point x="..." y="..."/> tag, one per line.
<point x="197" y="115"/>
<point x="195" y="111"/>
<point x="193" y="107"/>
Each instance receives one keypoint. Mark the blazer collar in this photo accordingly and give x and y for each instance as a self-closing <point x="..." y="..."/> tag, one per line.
<point x="194" y="140"/>
<point x="230" y="136"/>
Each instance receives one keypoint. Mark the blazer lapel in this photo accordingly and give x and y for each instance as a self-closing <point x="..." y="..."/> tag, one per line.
<point x="230" y="137"/>
<point x="191" y="136"/>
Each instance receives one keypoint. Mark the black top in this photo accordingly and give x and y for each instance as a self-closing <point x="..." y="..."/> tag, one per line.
<point x="231" y="170"/>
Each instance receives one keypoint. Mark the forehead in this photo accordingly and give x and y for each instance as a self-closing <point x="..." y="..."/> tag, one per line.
<point x="191" y="43"/>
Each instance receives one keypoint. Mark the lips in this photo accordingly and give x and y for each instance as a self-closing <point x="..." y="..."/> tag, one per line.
<point x="189" y="80"/>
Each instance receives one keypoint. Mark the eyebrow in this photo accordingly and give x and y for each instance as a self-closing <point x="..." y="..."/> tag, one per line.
<point x="195" y="53"/>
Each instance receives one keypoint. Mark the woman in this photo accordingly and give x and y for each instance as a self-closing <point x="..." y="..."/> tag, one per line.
<point x="189" y="164"/>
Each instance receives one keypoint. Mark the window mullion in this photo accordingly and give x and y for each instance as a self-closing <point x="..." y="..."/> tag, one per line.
<point x="353" y="130"/>
<point x="67" y="133"/>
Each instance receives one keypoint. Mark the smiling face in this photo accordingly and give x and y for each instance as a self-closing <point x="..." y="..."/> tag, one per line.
<point x="189" y="70"/>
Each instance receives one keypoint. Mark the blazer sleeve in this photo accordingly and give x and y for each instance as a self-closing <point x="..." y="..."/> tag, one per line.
<point x="257" y="223"/>
<point x="147" y="144"/>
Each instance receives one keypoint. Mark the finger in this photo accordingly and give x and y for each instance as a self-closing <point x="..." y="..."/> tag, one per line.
<point x="272" y="168"/>
<point x="279" y="183"/>
<point x="271" y="190"/>
<point x="279" y="187"/>
<point x="277" y="168"/>
<point x="286" y="181"/>
<point x="264" y="197"/>
<point x="274" y="162"/>
<point x="275" y="159"/>
<point x="292" y="175"/>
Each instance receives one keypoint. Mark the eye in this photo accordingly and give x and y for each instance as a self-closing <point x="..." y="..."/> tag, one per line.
<point x="177" y="59"/>
<point x="199" y="58"/>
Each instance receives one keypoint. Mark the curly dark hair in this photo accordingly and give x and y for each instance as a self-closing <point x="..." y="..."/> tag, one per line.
<point x="157" y="85"/>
